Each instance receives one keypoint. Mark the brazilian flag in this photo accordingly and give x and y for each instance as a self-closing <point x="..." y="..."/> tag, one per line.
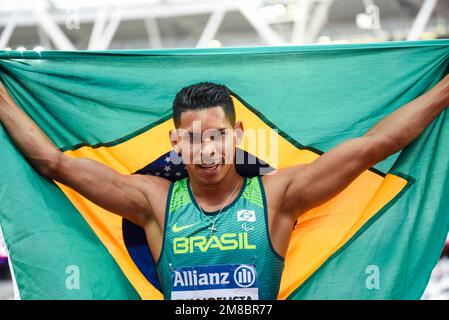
<point x="378" y="239"/>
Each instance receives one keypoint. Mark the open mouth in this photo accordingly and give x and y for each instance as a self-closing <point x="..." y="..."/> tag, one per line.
<point x="209" y="168"/>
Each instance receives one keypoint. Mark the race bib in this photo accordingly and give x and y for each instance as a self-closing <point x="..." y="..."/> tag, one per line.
<point x="219" y="282"/>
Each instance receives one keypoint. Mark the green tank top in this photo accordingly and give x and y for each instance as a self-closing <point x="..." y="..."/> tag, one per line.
<point x="237" y="261"/>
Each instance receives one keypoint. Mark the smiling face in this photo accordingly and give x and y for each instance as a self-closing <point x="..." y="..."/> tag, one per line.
<point x="206" y="141"/>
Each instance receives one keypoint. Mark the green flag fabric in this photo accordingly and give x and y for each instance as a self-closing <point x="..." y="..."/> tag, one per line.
<point x="99" y="104"/>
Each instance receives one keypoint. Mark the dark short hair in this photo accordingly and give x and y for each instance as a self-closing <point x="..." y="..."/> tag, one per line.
<point x="201" y="96"/>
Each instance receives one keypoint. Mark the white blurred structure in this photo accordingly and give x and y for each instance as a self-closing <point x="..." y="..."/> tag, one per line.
<point x="126" y="24"/>
<point x="438" y="287"/>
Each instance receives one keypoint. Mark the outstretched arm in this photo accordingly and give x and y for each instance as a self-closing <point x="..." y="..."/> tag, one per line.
<point x="307" y="186"/>
<point x="121" y="194"/>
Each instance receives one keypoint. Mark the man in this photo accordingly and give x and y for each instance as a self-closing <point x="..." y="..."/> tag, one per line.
<point x="217" y="234"/>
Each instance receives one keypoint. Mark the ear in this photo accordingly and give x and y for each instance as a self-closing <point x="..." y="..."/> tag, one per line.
<point x="238" y="131"/>
<point x="173" y="135"/>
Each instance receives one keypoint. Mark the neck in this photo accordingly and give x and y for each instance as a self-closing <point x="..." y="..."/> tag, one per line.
<point x="215" y="194"/>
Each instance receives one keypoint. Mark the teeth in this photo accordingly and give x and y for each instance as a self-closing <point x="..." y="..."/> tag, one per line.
<point x="209" y="165"/>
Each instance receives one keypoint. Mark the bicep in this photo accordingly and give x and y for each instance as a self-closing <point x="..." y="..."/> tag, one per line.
<point x="313" y="184"/>
<point x="118" y="193"/>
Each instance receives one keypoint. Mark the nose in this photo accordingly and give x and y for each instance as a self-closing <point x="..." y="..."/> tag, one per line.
<point x="208" y="151"/>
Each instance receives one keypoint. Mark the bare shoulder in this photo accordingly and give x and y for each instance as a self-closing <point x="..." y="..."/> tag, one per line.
<point x="155" y="190"/>
<point x="281" y="178"/>
<point x="277" y="185"/>
<point x="154" y="187"/>
<point x="158" y="183"/>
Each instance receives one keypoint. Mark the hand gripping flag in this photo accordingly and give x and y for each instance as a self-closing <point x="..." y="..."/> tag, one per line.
<point x="378" y="239"/>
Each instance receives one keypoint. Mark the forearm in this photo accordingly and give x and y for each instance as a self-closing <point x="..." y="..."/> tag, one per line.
<point x="404" y="125"/>
<point x="27" y="136"/>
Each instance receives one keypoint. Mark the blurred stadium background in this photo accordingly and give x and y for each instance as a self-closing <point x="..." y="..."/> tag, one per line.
<point x="151" y="24"/>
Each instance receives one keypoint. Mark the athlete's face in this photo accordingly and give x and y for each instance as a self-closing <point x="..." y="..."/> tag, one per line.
<point x="206" y="141"/>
